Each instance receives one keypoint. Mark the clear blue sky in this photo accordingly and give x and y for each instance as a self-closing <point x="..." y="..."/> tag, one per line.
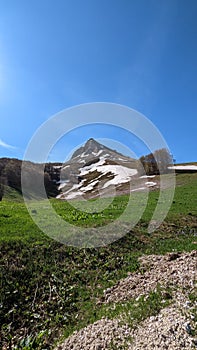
<point x="139" y="53"/>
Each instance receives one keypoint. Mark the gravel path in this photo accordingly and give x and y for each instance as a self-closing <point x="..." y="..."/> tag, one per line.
<point x="170" y="329"/>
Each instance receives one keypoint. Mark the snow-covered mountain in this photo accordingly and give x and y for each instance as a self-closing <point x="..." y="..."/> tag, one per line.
<point x="96" y="170"/>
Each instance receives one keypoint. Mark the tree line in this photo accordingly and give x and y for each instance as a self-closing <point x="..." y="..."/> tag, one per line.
<point x="157" y="163"/>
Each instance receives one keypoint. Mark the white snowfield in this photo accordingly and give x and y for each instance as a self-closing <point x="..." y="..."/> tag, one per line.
<point x="150" y="184"/>
<point x="183" y="167"/>
<point x="121" y="175"/>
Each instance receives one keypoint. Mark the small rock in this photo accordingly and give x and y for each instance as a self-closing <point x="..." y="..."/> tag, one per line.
<point x="188" y="328"/>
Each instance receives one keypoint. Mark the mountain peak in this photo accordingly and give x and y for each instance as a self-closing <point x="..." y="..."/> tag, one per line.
<point x="91" y="140"/>
<point x="90" y="146"/>
<point x="93" y="144"/>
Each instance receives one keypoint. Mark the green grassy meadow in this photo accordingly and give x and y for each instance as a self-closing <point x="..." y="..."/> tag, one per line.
<point x="48" y="289"/>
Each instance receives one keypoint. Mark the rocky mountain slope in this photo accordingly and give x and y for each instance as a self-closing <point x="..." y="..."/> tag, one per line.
<point x="96" y="170"/>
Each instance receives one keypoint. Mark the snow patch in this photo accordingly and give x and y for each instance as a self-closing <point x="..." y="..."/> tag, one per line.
<point x="183" y="167"/>
<point x="150" y="184"/>
<point x="92" y="167"/>
<point x="71" y="195"/>
<point x="99" y="152"/>
<point x="62" y="183"/>
<point x="66" y="166"/>
<point x="138" y="189"/>
<point x="121" y="174"/>
<point x="89" y="187"/>
<point x="83" y="155"/>
<point x="147" y="177"/>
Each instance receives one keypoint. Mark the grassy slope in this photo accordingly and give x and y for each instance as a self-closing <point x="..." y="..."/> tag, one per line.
<point x="47" y="287"/>
<point x="10" y="194"/>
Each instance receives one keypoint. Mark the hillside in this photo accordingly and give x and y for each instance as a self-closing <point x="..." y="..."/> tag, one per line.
<point x="50" y="290"/>
<point x="10" y="177"/>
